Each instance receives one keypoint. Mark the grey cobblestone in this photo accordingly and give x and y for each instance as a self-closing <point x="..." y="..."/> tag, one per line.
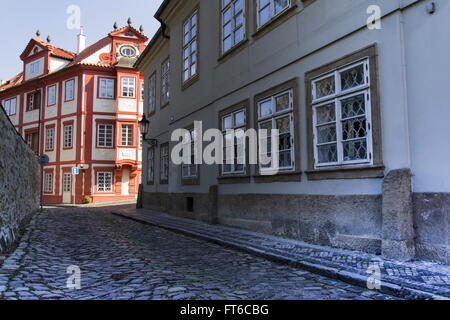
<point x="120" y="259"/>
<point x="412" y="280"/>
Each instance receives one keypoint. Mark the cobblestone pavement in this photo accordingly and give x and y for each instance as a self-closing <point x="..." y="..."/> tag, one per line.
<point x="410" y="280"/>
<point x="122" y="259"/>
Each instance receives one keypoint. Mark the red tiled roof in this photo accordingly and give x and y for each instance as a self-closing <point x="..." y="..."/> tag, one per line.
<point x="54" y="51"/>
<point x="16" y="80"/>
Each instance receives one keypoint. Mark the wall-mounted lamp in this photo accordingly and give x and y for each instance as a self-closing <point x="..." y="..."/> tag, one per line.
<point x="144" y="125"/>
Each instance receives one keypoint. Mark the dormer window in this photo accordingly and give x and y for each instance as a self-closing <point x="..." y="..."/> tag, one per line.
<point x="128" y="51"/>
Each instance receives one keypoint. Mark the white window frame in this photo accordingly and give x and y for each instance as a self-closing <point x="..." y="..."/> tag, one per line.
<point x="151" y="165"/>
<point x="192" y="169"/>
<point x="164" y="163"/>
<point x="69" y="90"/>
<point x="187" y="45"/>
<point x="152" y="93"/>
<point x="336" y="98"/>
<point x="273" y="117"/>
<point x="127" y="132"/>
<point x="273" y="14"/>
<point x="105" y="187"/>
<point x="231" y="6"/>
<point x="165" y="82"/>
<point x="128" y="87"/>
<point x="105" y="136"/>
<point x="9" y="106"/>
<point x="67" y="182"/>
<point x="50" y="139"/>
<point x="235" y="127"/>
<point x="68" y="136"/>
<point x="48" y="183"/>
<point x="51" y="95"/>
<point x="107" y="88"/>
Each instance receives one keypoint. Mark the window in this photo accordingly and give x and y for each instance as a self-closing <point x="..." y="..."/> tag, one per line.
<point x="49" y="139"/>
<point x="107" y="88"/>
<point x="32" y="139"/>
<point x="128" y="51"/>
<point x="69" y="90"/>
<point x="342" y="116"/>
<point x="67" y="182"/>
<point x="268" y="9"/>
<point x="51" y="95"/>
<point x="11" y="106"/>
<point x="190" y="171"/>
<point x="276" y="112"/>
<point x="104" y="181"/>
<point x="142" y="90"/>
<point x="165" y="82"/>
<point x="150" y="165"/>
<point x="105" y="136"/>
<point x="128" y="85"/>
<point x="152" y="93"/>
<point x="190" y="52"/>
<point x="68" y="129"/>
<point x="127" y="135"/>
<point x="34" y="100"/>
<point x="35" y="68"/>
<point x="234" y="121"/>
<point x="48" y="183"/>
<point x="164" y="163"/>
<point x="233" y="23"/>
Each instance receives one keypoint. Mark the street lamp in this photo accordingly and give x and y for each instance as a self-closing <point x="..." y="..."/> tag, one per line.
<point x="144" y="125"/>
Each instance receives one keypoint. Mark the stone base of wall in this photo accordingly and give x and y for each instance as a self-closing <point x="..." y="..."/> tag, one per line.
<point x="350" y="222"/>
<point x="432" y="226"/>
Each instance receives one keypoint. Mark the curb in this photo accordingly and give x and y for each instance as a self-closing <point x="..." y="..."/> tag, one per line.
<point x="334" y="273"/>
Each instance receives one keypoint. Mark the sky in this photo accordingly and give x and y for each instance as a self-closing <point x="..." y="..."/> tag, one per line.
<point x="20" y="20"/>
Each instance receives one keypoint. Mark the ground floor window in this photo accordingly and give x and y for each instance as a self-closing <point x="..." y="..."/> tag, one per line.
<point x="190" y="171"/>
<point x="67" y="181"/>
<point x="150" y="165"/>
<point x="48" y="183"/>
<point x="164" y="163"/>
<point x="104" y="181"/>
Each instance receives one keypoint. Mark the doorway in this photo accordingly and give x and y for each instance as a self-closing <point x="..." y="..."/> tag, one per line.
<point x="67" y="188"/>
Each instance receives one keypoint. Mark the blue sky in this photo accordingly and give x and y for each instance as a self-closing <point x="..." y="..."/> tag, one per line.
<point x="20" y="20"/>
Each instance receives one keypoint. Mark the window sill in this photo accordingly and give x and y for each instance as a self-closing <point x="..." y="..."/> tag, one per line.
<point x="164" y="105"/>
<point x="234" y="50"/>
<point x="190" y="82"/>
<point x="234" y="179"/>
<point x="190" y="182"/>
<point x="164" y="182"/>
<point x="275" y="22"/>
<point x="367" y="172"/>
<point x="291" y="176"/>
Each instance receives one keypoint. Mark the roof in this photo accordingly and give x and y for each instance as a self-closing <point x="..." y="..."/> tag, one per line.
<point x="16" y="80"/>
<point x="54" y="51"/>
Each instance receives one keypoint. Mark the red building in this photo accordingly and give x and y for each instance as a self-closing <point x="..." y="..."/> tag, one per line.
<point x="82" y="110"/>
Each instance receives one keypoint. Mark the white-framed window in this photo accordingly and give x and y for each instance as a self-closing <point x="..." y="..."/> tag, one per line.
<point x="67" y="182"/>
<point x="165" y="82"/>
<point x="34" y="100"/>
<point x="150" y="165"/>
<point x="11" y="106"/>
<point x="69" y="90"/>
<point x="342" y="116"/>
<point x="164" y="163"/>
<point x="276" y="112"/>
<point x="190" y="50"/>
<point x="128" y="51"/>
<point x="107" y="88"/>
<point x="35" y="68"/>
<point x="67" y="133"/>
<point x="128" y="87"/>
<point x="269" y="9"/>
<point x="105" y="136"/>
<point x="49" y="139"/>
<point x="233" y="23"/>
<point x="104" y="181"/>
<point x="152" y="93"/>
<point x="127" y="135"/>
<point x="190" y="171"/>
<point x="236" y="121"/>
<point x="48" y="183"/>
<point x="51" y="95"/>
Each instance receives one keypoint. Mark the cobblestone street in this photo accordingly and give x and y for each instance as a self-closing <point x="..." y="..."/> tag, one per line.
<point x="122" y="259"/>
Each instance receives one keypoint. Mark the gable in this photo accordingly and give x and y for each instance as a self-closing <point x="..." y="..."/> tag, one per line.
<point x="36" y="49"/>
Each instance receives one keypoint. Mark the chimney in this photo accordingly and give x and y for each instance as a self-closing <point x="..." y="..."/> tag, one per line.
<point x="81" y="41"/>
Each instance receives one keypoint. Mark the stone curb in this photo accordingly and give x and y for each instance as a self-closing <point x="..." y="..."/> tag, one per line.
<point x="334" y="273"/>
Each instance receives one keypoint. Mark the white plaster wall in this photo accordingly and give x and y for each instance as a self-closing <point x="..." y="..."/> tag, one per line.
<point x="28" y="74"/>
<point x="95" y="58"/>
<point x="127" y="105"/>
<point x="103" y="105"/>
<point x="57" y="64"/>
